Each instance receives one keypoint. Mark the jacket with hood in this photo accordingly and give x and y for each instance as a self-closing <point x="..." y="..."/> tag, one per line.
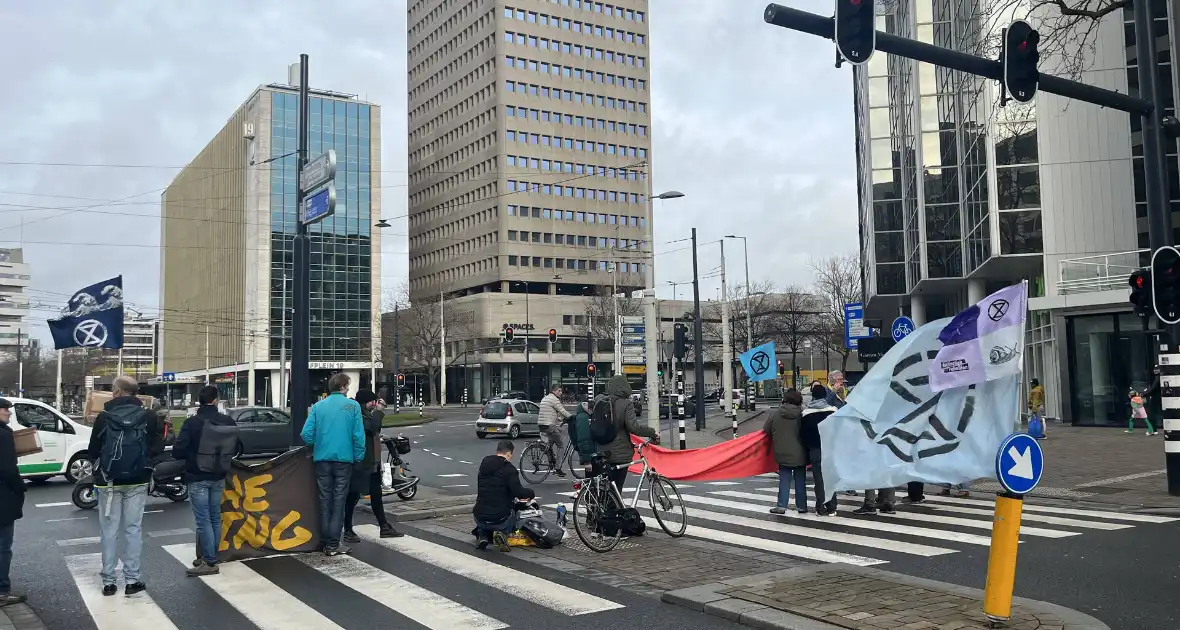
<point x="498" y="488"/>
<point x="621" y="450"/>
<point x="783" y="427"/>
<point x="813" y="414"/>
<point x="155" y="444"/>
<point x="189" y="441"/>
<point x="579" y="430"/>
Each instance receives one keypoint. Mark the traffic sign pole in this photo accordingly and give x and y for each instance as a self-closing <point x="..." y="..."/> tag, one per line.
<point x="1019" y="466"/>
<point x="301" y="318"/>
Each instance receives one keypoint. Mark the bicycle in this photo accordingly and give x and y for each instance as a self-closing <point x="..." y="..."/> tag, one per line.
<point x="536" y="458"/>
<point x="598" y="506"/>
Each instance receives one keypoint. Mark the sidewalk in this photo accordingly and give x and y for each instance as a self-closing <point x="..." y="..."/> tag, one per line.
<point x="20" y="617"/>
<point x="859" y="598"/>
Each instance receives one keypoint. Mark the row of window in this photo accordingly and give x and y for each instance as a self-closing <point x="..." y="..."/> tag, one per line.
<point x="574" y="240"/>
<point x="558" y="166"/>
<point x="559" y="118"/>
<point x="452" y="90"/>
<point x="578" y="216"/>
<point x="457" y="132"/>
<point x="598" y="7"/>
<point x="576" y="193"/>
<point x="573" y="144"/>
<point x="450" y="252"/>
<point x="585" y="28"/>
<point x="577" y="50"/>
<point x="570" y="96"/>
<point x="458" y="204"/>
<point x="432" y="107"/>
<point x="470" y="269"/>
<point x="432" y="36"/>
<point x="475" y="172"/>
<point x="465" y="42"/>
<point x="457" y="226"/>
<point x="570" y="263"/>
<point x="558" y="70"/>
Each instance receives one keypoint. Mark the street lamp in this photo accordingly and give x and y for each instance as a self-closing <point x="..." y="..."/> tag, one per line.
<point x="528" y="370"/>
<point x="382" y="223"/>
<point x="649" y="312"/>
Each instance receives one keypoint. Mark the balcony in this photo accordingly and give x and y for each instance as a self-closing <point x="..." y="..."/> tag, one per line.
<point x="1104" y="272"/>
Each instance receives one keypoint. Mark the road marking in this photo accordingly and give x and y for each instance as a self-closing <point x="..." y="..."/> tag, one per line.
<point x="75" y="542"/>
<point x="436" y="454"/>
<point x="773" y="546"/>
<point x="118" y="612"/>
<point x="448" y="458"/>
<point x="406" y="598"/>
<point x="171" y="532"/>
<point x="152" y="511"/>
<point x="453" y="475"/>
<point x="1105" y="482"/>
<point x="425" y="450"/>
<point x="724" y="483"/>
<point x="458" y="485"/>
<point x="257" y="598"/>
<point x="517" y="583"/>
<point x="465" y="462"/>
<point x="58" y="504"/>
<point x="1048" y="509"/>
<point x="1036" y="518"/>
<point x="58" y="520"/>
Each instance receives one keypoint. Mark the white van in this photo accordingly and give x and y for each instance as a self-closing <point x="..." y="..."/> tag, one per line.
<point x="64" y="442"/>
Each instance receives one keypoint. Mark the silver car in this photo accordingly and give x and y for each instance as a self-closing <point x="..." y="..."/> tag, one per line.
<point x="261" y="429"/>
<point x="511" y="418"/>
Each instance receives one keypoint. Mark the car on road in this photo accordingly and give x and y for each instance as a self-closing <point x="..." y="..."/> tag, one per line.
<point x="63" y="442"/>
<point x="261" y="429"/>
<point x="512" y="418"/>
<point x="512" y="395"/>
<point x="739" y="398"/>
<point x="690" y="408"/>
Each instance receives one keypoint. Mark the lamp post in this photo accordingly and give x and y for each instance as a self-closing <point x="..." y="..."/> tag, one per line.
<point x="649" y="313"/>
<point x="749" y="318"/>
<point x="528" y="369"/>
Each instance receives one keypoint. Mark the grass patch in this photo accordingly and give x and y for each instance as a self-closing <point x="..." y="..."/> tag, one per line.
<point x="408" y="419"/>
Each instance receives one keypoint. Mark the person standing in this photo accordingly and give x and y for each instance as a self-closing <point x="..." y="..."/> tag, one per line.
<point x="813" y="414"/>
<point x="620" y="450"/>
<point x="549" y="422"/>
<point x="366" y="477"/>
<point x="123" y="440"/>
<point x="207" y="443"/>
<point x="1036" y="406"/>
<point x="335" y="430"/>
<point x="783" y="427"/>
<point x="12" y="502"/>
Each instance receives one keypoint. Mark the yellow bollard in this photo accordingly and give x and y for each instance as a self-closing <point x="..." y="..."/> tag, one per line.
<point x="1001" y="561"/>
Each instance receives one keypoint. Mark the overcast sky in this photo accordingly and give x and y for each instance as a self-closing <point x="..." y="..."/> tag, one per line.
<point x="752" y="122"/>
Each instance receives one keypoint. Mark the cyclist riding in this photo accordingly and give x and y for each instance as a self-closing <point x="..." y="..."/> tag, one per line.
<point x="553" y="415"/>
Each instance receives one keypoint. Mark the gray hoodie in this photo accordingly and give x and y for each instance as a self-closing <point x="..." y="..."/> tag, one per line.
<point x="621" y="451"/>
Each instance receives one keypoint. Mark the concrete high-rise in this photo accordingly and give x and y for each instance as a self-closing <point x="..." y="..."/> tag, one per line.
<point x="14" y="301"/>
<point x="529" y="155"/>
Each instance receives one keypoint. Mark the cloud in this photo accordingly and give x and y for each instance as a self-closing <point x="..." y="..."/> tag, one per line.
<point x="751" y="122"/>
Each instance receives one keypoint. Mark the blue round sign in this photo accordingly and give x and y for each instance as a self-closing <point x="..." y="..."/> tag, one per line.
<point x="1020" y="463"/>
<point x="902" y="326"/>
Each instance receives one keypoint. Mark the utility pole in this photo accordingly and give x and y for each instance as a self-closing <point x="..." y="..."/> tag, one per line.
<point x="442" y="352"/>
<point x="698" y="338"/>
<point x="726" y="341"/>
<point x="20" y="366"/>
<point x="57" y="389"/>
<point x="207" y="381"/>
<point x="301" y="322"/>
<point x="614" y="298"/>
<point x="651" y="323"/>
<point x="282" y="402"/>
<point x="397" y="399"/>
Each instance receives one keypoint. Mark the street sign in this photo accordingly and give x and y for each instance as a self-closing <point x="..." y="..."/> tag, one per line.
<point x="1019" y="463"/>
<point x="318" y="171"/>
<point x="871" y="349"/>
<point x="168" y="377"/>
<point x="319" y="206"/>
<point x="902" y="327"/>
<point x="634" y="369"/>
<point x="854" y="326"/>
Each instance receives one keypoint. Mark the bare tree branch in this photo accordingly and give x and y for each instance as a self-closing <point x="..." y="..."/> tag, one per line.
<point x="837" y="282"/>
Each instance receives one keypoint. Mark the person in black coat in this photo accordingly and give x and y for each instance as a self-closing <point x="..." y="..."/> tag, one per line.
<point x="497" y="492"/>
<point x="12" y="502"/>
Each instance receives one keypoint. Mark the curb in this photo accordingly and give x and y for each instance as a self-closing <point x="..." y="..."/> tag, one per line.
<point x="729" y="429"/>
<point x="462" y="505"/>
<point x="710" y="599"/>
<point x="420" y="422"/>
<point x="20" y="617"/>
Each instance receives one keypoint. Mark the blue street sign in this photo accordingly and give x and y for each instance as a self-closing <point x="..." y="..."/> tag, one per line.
<point x="320" y="205"/>
<point x="902" y="327"/>
<point x="633" y="330"/>
<point x="168" y="377"/>
<point x="854" y="327"/>
<point x="1019" y="463"/>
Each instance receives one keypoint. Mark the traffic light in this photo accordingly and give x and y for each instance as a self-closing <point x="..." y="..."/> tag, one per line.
<point x="1141" y="301"/>
<point x="1020" y="58"/>
<point x="552" y="335"/>
<point x="781" y="368"/>
<point x="679" y="341"/>
<point x="508" y="334"/>
<point x="590" y="370"/>
<point x="856" y="30"/>
<point x="401" y="380"/>
<point x="1165" y="284"/>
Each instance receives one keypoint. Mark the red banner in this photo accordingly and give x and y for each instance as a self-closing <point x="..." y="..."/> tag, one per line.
<point x="732" y="459"/>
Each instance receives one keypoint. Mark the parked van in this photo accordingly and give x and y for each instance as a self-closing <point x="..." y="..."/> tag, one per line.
<point x="64" y="442"/>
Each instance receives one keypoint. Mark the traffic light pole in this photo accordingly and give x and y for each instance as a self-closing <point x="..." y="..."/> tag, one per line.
<point x="301" y="318"/>
<point x="698" y="348"/>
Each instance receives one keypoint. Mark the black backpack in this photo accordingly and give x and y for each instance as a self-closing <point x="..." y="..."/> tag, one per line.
<point x="543" y="535"/>
<point x="217" y="446"/>
<point x="602" y="421"/>
<point x="622" y="522"/>
<point x="124" y="454"/>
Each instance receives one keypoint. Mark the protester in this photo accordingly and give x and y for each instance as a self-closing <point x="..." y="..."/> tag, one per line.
<point x="813" y="414"/>
<point x="836" y="390"/>
<point x="549" y="421"/>
<point x="783" y="427"/>
<point x="1036" y="405"/>
<point x="123" y="440"/>
<point x="207" y="442"/>
<point x="579" y="430"/>
<point x="336" y="432"/>
<point x="882" y="499"/>
<point x="498" y="489"/>
<point x="366" y="477"/>
<point x="620" y="450"/>
<point x="12" y="502"/>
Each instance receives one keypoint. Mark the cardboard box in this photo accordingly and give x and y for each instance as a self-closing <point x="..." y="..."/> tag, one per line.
<point x="96" y="399"/>
<point x="28" y="442"/>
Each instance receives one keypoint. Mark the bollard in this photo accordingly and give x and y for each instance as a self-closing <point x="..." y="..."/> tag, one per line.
<point x="421" y="408"/>
<point x="1001" y="560"/>
<point x="1169" y="384"/>
<point x="680" y="406"/>
<point x="735" y="423"/>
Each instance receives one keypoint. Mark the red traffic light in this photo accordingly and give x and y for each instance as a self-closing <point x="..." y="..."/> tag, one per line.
<point x="552" y="335"/>
<point x="508" y="335"/>
<point x="590" y="369"/>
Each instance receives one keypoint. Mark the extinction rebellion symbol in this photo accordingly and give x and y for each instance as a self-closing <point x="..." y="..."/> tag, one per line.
<point x="90" y="334"/>
<point x="996" y="310"/>
<point x="760" y="362"/>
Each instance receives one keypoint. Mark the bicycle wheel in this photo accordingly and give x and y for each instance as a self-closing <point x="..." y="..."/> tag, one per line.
<point x="578" y="471"/>
<point x="594" y="500"/>
<point x="534" y="463"/>
<point x="666" y="504"/>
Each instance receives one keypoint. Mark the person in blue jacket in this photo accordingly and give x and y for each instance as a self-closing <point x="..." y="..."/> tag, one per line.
<point x="336" y="433"/>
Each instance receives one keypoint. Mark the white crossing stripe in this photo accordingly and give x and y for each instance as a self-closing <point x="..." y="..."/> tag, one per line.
<point x="118" y="612"/>
<point x="1049" y="509"/>
<point x="454" y="475"/>
<point x="181" y="531"/>
<point x="724" y="483"/>
<point x="74" y="542"/>
<point x="257" y="598"/>
<point x="1032" y="516"/>
<point x="539" y="591"/>
<point x="406" y="598"/>
<point x="57" y="504"/>
<point x="773" y="546"/>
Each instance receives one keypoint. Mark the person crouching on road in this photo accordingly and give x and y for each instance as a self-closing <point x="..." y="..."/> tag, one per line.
<point x="366" y="477"/>
<point x="783" y="427"/>
<point x="336" y="432"/>
<point x="497" y="491"/>
<point x="549" y="421"/>
<point x="206" y="443"/>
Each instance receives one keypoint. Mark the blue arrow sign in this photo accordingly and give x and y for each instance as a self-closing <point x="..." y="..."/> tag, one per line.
<point x="168" y="377"/>
<point x="902" y="326"/>
<point x="1019" y="463"/>
<point x="320" y="205"/>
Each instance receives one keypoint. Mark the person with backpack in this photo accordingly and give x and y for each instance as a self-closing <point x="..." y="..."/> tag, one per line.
<point x="207" y="442"/>
<point x="123" y="440"/>
<point x="612" y="425"/>
<point x="580" y="436"/>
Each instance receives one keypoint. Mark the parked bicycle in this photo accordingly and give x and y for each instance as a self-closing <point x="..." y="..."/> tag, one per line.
<point x="599" y="510"/>
<point x="538" y="461"/>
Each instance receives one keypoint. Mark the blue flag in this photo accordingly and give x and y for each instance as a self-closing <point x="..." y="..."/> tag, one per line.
<point x="759" y="362"/>
<point x="93" y="318"/>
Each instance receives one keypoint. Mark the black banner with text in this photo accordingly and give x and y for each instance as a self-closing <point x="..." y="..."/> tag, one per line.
<point x="270" y="507"/>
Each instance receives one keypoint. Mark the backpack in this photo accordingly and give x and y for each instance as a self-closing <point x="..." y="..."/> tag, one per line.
<point x="543" y="535"/>
<point x="629" y="520"/>
<point x="217" y="446"/>
<point x="124" y="453"/>
<point x="602" y="421"/>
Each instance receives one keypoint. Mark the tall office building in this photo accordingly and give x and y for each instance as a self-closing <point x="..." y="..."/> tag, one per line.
<point x="227" y="230"/>
<point x="529" y="154"/>
<point x="959" y="197"/>
<point x="14" y="302"/>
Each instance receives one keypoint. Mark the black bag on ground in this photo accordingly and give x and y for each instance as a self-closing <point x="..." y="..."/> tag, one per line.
<point x="544" y="535"/>
<point x="626" y="519"/>
<point x="602" y="421"/>
<point x="218" y="445"/>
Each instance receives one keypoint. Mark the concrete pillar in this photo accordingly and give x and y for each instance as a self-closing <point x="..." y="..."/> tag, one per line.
<point x="274" y="390"/>
<point x="918" y="309"/>
<point x="975" y="290"/>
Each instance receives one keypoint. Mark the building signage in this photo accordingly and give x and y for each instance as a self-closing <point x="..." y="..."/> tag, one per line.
<point x="325" y="366"/>
<point x="318" y="171"/>
<point x="519" y="327"/>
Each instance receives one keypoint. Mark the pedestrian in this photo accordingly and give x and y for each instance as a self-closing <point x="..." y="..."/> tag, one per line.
<point x="837" y="392"/>
<point x="366" y="477"/>
<point x="1151" y="397"/>
<point x="579" y="434"/>
<point x="814" y="413"/>
<point x="123" y="440"/>
<point x="336" y="432"/>
<point x="553" y="414"/>
<point x="207" y="443"/>
<point x="1036" y="407"/>
<point x="498" y="490"/>
<point x="784" y="428"/>
<point x="620" y="450"/>
<point x="12" y="502"/>
<point x="1138" y="412"/>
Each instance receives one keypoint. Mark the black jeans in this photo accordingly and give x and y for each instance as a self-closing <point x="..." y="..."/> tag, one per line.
<point x="6" y="532"/>
<point x="916" y="490"/>
<point x="618" y="477"/>
<point x="332" y="479"/>
<point x="375" y="500"/>
<point x="814" y="457"/>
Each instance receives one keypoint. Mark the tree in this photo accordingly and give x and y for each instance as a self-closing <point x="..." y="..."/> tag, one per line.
<point x="792" y="320"/>
<point x="761" y="302"/>
<point x="837" y="282"/>
<point x="419" y="331"/>
<point x="600" y="314"/>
